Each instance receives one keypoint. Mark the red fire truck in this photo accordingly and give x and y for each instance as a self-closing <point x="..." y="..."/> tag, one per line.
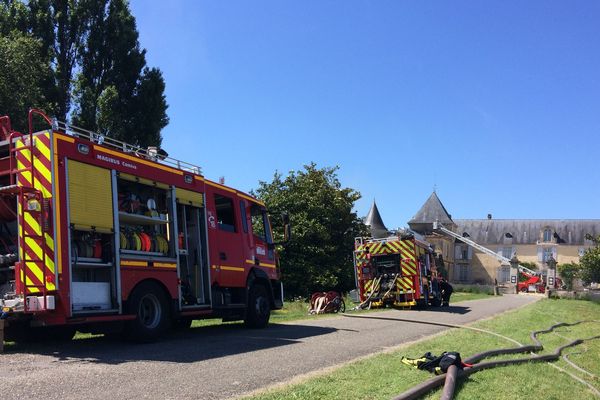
<point x="97" y="234"/>
<point x="396" y="271"/>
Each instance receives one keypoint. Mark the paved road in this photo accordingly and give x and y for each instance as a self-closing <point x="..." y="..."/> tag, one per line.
<point x="219" y="362"/>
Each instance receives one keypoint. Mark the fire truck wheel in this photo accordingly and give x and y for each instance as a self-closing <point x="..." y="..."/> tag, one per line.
<point x="149" y="304"/>
<point x="259" y="307"/>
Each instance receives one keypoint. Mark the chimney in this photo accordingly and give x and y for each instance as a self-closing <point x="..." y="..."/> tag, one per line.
<point x="489" y="216"/>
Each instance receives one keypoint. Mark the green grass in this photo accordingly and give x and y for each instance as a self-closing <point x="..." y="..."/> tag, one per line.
<point x="383" y="376"/>
<point x="464" y="296"/>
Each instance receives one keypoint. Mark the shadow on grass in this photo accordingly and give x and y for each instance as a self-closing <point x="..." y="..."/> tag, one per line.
<point x="195" y="344"/>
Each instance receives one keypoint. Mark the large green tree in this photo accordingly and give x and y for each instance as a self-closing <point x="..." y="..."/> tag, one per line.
<point x="324" y="225"/>
<point x="59" y="24"/>
<point x="21" y="81"/>
<point x="116" y="93"/>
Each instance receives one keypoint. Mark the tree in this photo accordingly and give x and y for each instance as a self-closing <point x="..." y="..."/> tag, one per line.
<point x="59" y="24"/>
<point x="13" y="16"/>
<point x="116" y="94"/>
<point x="569" y="272"/>
<point x="21" y="80"/>
<point x="590" y="262"/>
<point x="319" y="256"/>
<point x="99" y="39"/>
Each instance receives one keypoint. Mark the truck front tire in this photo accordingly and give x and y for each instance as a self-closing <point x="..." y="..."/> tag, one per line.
<point x="259" y="307"/>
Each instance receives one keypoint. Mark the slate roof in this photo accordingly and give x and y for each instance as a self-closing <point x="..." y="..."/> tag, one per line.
<point x="375" y="223"/>
<point x="433" y="210"/>
<point x="527" y="231"/>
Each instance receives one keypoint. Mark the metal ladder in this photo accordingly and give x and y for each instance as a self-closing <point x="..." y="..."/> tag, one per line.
<point x="30" y="202"/>
<point x="439" y="227"/>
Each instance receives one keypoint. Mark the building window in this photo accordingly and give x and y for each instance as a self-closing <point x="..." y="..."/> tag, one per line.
<point x="462" y="252"/>
<point x="463" y="273"/>
<point x="504" y="273"/>
<point x="547" y="235"/>
<point x="547" y="253"/>
<point x="507" y="252"/>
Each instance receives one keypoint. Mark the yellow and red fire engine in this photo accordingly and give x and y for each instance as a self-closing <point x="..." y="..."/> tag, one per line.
<point x="97" y="233"/>
<point x="397" y="271"/>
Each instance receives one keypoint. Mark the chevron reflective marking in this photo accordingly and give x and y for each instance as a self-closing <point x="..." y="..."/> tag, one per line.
<point x="409" y="264"/>
<point x="408" y="269"/>
<point x="395" y="244"/>
<point x="404" y="283"/>
<point x="42" y="180"/>
<point x="369" y="286"/>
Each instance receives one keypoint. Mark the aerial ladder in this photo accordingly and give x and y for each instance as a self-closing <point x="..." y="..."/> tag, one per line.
<point x="437" y="226"/>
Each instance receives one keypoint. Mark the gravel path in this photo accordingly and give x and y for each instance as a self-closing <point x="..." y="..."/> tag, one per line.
<point x="219" y="362"/>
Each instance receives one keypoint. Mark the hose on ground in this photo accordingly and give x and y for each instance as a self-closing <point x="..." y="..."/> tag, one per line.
<point x="423" y="388"/>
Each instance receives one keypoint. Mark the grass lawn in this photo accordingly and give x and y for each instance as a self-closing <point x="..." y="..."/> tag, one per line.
<point x="383" y="376"/>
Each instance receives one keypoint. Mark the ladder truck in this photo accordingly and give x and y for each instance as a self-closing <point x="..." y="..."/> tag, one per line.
<point x="532" y="278"/>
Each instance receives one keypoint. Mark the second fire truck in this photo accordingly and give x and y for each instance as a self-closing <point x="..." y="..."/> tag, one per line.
<point x="397" y="271"/>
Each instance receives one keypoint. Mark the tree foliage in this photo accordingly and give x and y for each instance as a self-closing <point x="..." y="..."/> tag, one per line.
<point x="59" y="24"/>
<point x="21" y="80"/>
<point x="568" y="273"/>
<point x="96" y="65"/>
<point x="117" y="94"/>
<point x="319" y="255"/>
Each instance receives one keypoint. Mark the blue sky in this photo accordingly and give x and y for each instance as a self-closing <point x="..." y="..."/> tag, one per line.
<point x="496" y="104"/>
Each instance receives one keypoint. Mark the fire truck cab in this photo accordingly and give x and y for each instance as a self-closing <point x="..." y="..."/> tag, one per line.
<point x="397" y="271"/>
<point x="97" y="234"/>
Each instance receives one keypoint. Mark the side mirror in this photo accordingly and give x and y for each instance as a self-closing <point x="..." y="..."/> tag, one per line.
<point x="287" y="231"/>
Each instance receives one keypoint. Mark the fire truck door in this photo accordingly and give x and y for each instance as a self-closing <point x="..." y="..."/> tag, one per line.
<point x="227" y="265"/>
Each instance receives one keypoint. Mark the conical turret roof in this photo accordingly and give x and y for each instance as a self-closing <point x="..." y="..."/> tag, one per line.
<point x="433" y="210"/>
<point x="375" y="223"/>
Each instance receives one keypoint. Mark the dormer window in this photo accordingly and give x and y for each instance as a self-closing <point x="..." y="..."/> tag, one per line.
<point x="547" y="237"/>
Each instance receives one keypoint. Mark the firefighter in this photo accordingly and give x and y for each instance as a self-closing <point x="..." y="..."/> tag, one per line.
<point x="446" y="291"/>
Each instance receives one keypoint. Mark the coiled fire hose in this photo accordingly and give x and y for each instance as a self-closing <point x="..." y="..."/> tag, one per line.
<point x="449" y="379"/>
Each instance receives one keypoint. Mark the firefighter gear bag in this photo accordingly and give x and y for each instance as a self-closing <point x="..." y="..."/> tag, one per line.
<point x="437" y="365"/>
